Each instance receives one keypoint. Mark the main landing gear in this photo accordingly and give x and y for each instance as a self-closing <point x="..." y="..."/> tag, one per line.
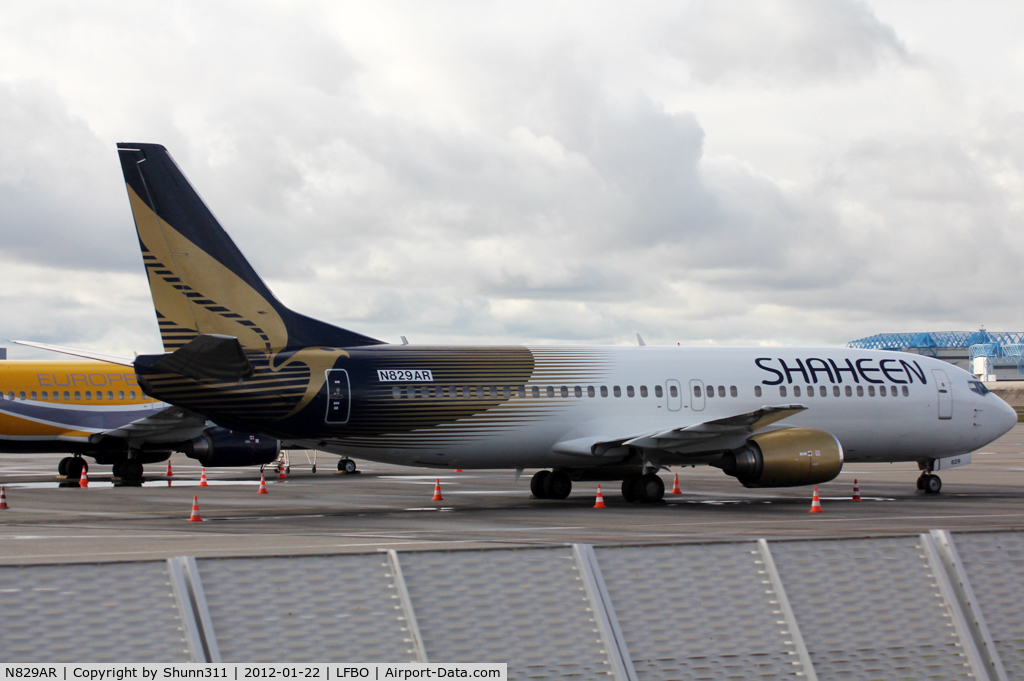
<point x="551" y="485"/>
<point x="643" y="489"/>
<point x="347" y="466"/>
<point x="929" y="483"/>
<point x="71" y="467"/>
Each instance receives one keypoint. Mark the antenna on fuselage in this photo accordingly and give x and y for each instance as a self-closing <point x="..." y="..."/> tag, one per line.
<point x="640" y="340"/>
<point x="405" y="341"/>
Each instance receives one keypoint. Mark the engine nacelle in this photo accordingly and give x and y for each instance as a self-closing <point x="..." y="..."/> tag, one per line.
<point x="223" y="447"/>
<point x="786" y="458"/>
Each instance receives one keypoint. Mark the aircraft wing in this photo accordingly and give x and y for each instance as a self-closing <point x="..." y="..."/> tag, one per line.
<point x="172" y="424"/>
<point x="75" y="352"/>
<point x="725" y="433"/>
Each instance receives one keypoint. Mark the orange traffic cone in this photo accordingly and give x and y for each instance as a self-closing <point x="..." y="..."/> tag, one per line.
<point x="195" y="517"/>
<point x="3" y="498"/>
<point x="202" y="479"/>
<point x="280" y="472"/>
<point x="83" y="479"/>
<point x="437" y="491"/>
<point x="856" y="491"/>
<point x="816" y="502"/>
<point x="675" y="486"/>
<point x="169" y="473"/>
<point x="599" y="501"/>
<point x="263" y="486"/>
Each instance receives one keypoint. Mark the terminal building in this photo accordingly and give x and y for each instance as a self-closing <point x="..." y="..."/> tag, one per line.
<point x="989" y="355"/>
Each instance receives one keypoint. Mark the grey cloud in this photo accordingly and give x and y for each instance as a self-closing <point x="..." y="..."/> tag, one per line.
<point x="783" y="41"/>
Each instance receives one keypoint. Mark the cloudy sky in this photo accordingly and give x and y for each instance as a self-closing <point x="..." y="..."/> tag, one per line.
<point x="730" y="171"/>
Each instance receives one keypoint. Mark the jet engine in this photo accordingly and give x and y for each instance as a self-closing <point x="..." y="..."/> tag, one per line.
<point x="223" y="447"/>
<point x="785" y="458"/>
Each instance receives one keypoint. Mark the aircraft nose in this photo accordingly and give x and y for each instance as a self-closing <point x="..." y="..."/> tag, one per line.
<point x="1007" y="417"/>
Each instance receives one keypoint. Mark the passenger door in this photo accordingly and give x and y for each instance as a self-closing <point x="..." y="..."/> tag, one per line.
<point x="338" y="392"/>
<point x="945" y="394"/>
<point x="697" y="395"/>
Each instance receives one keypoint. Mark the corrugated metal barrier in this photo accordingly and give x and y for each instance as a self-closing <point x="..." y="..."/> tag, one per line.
<point x="932" y="606"/>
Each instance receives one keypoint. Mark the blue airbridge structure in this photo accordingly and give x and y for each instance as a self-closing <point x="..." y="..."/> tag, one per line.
<point x="1004" y="348"/>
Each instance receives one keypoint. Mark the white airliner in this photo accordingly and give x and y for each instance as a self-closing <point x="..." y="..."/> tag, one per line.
<point x="769" y="417"/>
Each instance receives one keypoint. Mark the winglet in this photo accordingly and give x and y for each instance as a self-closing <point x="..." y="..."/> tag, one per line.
<point x="639" y="339"/>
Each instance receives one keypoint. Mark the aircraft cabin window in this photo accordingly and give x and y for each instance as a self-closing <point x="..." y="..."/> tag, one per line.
<point x="835" y="390"/>
<point x="672" y="390"/>
<point x="643" y="391"/>
<point x="45" y="395"/>
<point x="88" y="394"/>
<point x="871" y="391"/>
<point x="796" y="391"/>
<point x="396" y="393"/>
<point x="849" y="391"/>
<point x="604" y="391"/>
<point x="860" y="391"/>
<point x="894" y="392"/>
<point x="535" y="391"/>
<point x="78" y="395"/>
<point x="810" y="391"/>
<point x="881" y="391"/>
<point x="591" y="392"/>
<point x="629" y="391"/>
<point x="658" y="392"/>
<point x="696" y="391"/>
<point x="906" y="393"/>
<point x="99" y="394"/>
<point x="823" y="391"/>
<point x="33" y="394"/>
<point x="551" y="391"/>
<point x="782" y="391"/>
<point x="522" y="391"/>
<point x="565" y="391"/>
<point x="120" y="395"/>
<point x="67" y="395"/>
<point x="577" y="391"/>
<point x="733" y="392"/>
<point x="110" y="394"/>
<point x="617" y="391"/>
<point x="757" y="391"/>
<point x="21" y="394"/>
<point x="721" y="391"/>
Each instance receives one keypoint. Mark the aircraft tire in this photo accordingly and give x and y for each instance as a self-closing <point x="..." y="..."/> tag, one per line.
<point x="629" y="486"/>
<point x="347" y="466"/>
<point x="537" y="484"/>
<point x="651" y="488"/>
<point x="558" y="485"/>
<point x="74" y="468"/>
<point x="62" y="467"/>
<point x="115" y="470"/>
<point x="933" y="484"/>
<point x="131" y="471"/>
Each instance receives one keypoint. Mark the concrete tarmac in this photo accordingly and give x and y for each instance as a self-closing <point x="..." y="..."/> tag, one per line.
<point x="390" y="507"/>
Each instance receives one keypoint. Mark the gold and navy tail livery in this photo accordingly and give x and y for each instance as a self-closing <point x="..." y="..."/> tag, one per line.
<point x="769" y="417"/>
<point x="201" y="283"/>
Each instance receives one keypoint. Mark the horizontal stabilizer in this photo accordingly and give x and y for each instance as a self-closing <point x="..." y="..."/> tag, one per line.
<point x="74" y="352"/>
<point x="208" y="356"/>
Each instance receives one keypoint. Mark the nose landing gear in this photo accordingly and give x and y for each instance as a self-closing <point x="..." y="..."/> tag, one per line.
<point x="929" y="483"/>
